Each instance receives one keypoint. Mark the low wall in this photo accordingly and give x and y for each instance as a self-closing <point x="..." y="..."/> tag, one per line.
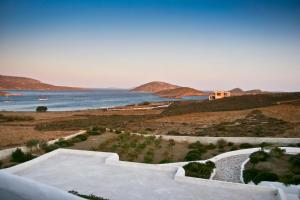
<point x="7" y="152"/>
<point x="214" y="140"/>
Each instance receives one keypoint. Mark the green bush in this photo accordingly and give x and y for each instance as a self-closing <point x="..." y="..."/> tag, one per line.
<point x="64" y="143"/>
<point x="19" y="156"/>
<point x="96" y="130"/>
<point x="250" y="174"/>
<point x="199" y="170"/>
<point x="230" y="144"/>
<point x="221" y="143"/>
<point x="258" y="157"/>
<point x="295" y="160"/>
<point x="1" y="163"/>
<point x="41" y="109"/>
<point x="32" y="143"/>
<point x="51" y="147"/>
<point x="265" y="176"/>
<point x="211" y="146"/>
<point x="193" y="155"/>
<point x="290" y="179"/>
<point x="83" y="137"/>
<point x="195" y="145"/>
<point x="277" y="152"/>
<point x="246" y="146"/>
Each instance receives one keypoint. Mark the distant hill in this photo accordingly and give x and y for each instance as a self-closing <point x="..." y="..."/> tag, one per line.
<point x="155" y="86"/>
<point x="179" y="92"/>
<point x="239" y="92"/>
<point x="3" y="93"/>
<point x="22" y="83"/>
<point x="167" y="90"/>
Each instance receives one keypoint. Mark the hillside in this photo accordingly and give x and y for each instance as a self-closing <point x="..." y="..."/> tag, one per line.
<point x="232" y="103"/>
<point x="155" y="86"/>
<point x="239" y="92"/>
<point x="179" y="92"/>
<point x="22" y="83"/>
<point x="3" y="93"/>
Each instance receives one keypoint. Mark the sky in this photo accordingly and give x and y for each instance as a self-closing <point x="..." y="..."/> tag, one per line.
<point x="205" y="44"/>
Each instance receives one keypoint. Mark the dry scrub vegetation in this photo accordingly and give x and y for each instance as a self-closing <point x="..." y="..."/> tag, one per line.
<point x="271" y="119"/>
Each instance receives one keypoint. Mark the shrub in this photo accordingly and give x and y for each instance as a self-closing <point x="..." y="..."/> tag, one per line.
<point x="233" y="148"/>
<point x="82" y="137"/>
<point x="246" y="146"/>
<point x="250" y="174"/>
<point x="277" y="152"/>
<point x="230" y="144"/>
<point x="258" y="157"/>
<point x="51" y="147"/>
<point x="195" y="145"/>
<point x="199" y="170"/>
<point x="171" y="142"/>
<point x="64" y="143"/>
<point x="221" y="143"/>
<point x="265" y="176"/>
<point x="41" y="109"/>
<point x="193" y="155"/>
<point x="19" y="156"/>
<point x="1" y="163"/>
<point x="211" y="146"/>
<point x="263" y="145"/>
<point x="295" y="160"/>
<point x="96" y="130"/>
<point x="290" y="179"/>
<point x="32" y="143"/>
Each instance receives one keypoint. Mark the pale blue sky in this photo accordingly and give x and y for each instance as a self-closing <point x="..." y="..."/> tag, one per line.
<point x="109" y="43"/>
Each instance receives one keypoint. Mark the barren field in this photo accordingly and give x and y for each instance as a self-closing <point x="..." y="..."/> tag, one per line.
<point x="46" y="126"/>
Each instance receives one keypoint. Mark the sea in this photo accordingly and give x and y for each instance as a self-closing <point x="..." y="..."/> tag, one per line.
<point x="78" y="100"/>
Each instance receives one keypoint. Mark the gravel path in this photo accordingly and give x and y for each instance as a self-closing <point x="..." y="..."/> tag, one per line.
<point x="229" y="169"/>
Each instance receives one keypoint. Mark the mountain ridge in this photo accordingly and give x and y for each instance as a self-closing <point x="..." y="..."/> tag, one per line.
<point x="23" y="83"/>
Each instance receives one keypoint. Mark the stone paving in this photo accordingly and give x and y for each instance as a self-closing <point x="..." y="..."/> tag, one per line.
<point x="229" y="169"/>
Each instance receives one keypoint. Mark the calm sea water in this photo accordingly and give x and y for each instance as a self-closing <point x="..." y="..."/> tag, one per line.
<point x="77" y="100"/>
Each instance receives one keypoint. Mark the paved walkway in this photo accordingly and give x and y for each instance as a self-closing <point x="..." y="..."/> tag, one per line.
<point x="229" y="169"/>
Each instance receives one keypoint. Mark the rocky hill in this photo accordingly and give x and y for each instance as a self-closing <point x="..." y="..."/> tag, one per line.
<point x="155" y="86"/>
<point x="22" y="83"/>
<point x="239" y="92"/>
<point x="3" y="93"/>
<point x="167" y="90"/>
<point x="179" y="92"/>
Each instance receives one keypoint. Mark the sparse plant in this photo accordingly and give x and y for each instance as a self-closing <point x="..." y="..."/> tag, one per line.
<point x="246" y="146"/>
<point x="32" y="143"/>
<point x="258" y="156"/>
<point x="171" y="142"/>
<point x="277" y="152"/>
<point x="221" y="143"/>
<point x="19" y="156"/>
<point x="199" y="170"/>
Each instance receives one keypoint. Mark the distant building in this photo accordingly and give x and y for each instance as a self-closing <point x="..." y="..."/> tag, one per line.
<point x="219" y="95"/>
